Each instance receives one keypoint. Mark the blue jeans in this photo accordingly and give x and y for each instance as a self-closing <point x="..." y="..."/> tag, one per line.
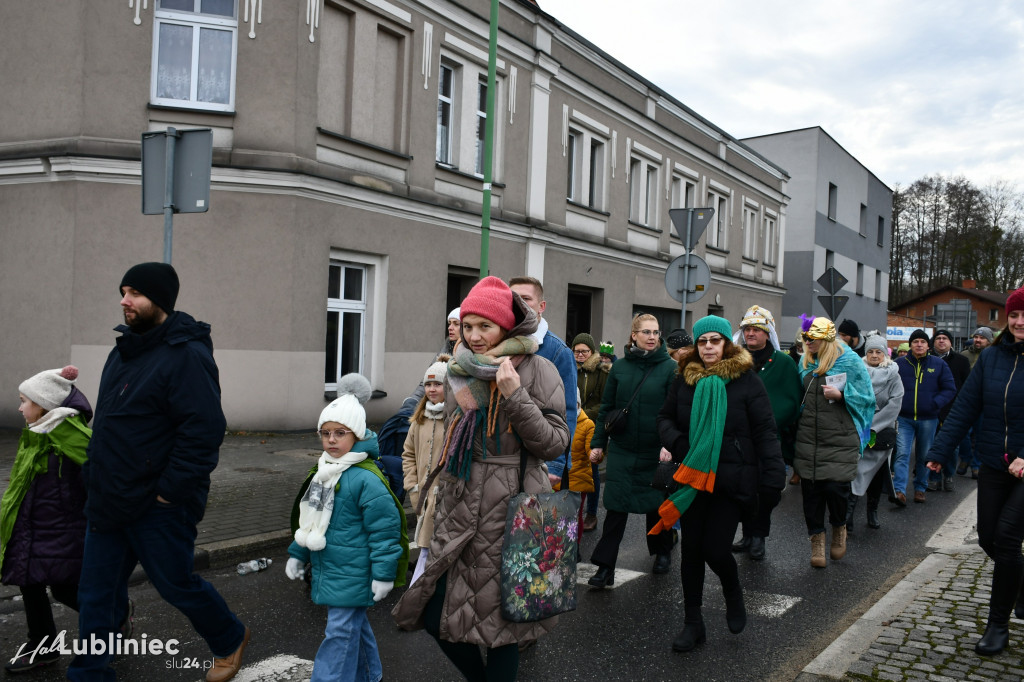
<point x="163" y="541"/>
<point x="923" y="431"/>
<point x="349" y="649"/>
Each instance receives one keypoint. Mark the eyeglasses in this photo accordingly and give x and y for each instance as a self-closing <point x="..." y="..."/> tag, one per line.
<point x="337" y="433"/>
<point x="713" y="341"/>
<point x="649" y="332"/>
<point x="585" y="351"/>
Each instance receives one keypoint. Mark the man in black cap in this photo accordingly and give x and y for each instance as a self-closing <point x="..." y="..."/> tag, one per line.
<point x="942" y="347"/>
<point x="849" y="331"/>
<point x="156" y="438"/>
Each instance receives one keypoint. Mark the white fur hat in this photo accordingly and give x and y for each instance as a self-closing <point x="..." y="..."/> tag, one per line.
<point x="353" y="391"/>
<point x="50" y="388"/>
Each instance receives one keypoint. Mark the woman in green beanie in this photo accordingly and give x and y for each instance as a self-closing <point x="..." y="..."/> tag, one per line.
<point x="718" y="425"/>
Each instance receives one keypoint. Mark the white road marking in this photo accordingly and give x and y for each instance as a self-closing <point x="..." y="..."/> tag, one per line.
<point x="280" y="668"/>
<point x="585" y="572"/>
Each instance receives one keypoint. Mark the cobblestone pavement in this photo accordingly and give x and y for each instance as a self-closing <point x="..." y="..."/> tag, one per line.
<point x="933" y="637"/>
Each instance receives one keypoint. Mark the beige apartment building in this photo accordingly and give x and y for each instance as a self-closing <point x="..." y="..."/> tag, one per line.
<point x="346" y="194"/>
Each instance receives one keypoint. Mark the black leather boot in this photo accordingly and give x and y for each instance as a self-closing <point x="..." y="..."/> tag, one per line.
<point x="693" y="632"/>
<point x="1006" y="582"/>
<point x="1018" y="610"/>
<point x="735" y="611"/>
<point x="872" y="506"/>
<point x="756" y="548"/>
<point x="603" y="578"/>
<point x="851" y="505"/>
<point x="743" y="545"/>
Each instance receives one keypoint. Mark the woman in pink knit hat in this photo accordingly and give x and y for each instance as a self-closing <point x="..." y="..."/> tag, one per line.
<point x="500" y="399"/>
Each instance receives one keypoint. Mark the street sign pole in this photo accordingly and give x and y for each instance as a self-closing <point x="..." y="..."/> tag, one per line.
<point x="172" y="135"/>
<point x="686" y="271"/>
<point x="689" y="235"/>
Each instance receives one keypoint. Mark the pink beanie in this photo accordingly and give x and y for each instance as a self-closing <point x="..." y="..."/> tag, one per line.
<point x="1015" y="301"/>
<point x="492" y="299"/>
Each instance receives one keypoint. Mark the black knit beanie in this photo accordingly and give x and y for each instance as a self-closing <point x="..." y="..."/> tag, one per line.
<point x="156" y="281"/>
<point x="920" y="334"/>
<point x="849" y="327"/>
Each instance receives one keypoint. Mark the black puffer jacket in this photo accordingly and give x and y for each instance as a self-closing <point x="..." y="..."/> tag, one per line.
<point x="751" y="458"/>
<point x="159" y="424"/>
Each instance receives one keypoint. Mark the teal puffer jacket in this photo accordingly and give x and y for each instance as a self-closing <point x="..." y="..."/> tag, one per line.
<point x="632" y="454"/>
<point x="363" y="538"/>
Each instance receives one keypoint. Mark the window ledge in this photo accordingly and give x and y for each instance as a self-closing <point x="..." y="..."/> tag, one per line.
<point x="584" y="207"/>
<point x="716" y="249"/>
<point x="467" y="176"/>
<point x="193" y="110"/>
<point x="361" y="143"/>
<point x="641" y="226"/>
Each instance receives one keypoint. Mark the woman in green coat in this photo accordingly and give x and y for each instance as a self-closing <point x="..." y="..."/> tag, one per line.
<point x="640" y="380"/>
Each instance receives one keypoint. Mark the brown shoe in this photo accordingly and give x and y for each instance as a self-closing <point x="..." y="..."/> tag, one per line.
<point x="838" y="549"/>
<point x="919" y="496"/>
<point x="818" y="550"/>
<point x="901" y="499"/>
<point x="225" y="668"/>
<point x="794" y="479"/>
<point x="589" y="522"/>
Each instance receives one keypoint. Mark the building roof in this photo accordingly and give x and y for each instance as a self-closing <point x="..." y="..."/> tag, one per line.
<point x="993" y="297"/>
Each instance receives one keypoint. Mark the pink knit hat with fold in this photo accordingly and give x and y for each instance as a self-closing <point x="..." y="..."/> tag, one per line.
<point x="490" y="298"/>
<point x="1015" y="301"/>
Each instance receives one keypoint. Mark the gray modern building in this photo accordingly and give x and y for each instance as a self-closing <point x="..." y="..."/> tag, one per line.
<point x="840" y="216"/>
<point x="345" y="207"/>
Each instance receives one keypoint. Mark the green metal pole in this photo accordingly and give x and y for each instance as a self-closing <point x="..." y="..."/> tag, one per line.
<point x="485" y="220"/>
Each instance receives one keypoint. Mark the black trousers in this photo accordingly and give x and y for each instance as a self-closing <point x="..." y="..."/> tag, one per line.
<point x="1000" y="533"/>
<point x="759" y="522"/>
<point x="38" y="615"/>
<point x="706" y="538"/>
<point x="607" y="551"/>
<point x="821" y="494"/>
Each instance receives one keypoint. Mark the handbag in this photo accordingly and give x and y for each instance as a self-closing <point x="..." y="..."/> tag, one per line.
<point x="885" y="439"/>
<point x="538" y="553"/>
<point x="663" y="480"/>
<point x="615" y="421"/>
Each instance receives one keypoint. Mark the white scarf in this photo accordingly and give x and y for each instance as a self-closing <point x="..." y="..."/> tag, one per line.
<point x="317" y="504"/>
<point x="52" y="419"/>
<point x="433" y="410"/>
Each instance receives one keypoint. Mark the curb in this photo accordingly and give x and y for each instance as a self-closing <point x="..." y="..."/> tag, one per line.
<point x="834" y="662"/>
<point x="230" y="552"/>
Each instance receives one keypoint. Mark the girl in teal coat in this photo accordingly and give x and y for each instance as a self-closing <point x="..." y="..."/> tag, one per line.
<point x="633" y="451"/>
<point x="352" y="531"/>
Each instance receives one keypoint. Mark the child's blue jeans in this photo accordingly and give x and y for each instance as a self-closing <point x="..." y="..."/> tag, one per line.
<point x="349" y="649"/>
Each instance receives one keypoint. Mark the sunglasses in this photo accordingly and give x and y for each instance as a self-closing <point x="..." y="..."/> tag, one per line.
<point x="808" y="337"/>
<point x="712" y="341"/>
<point x="337" y="433"/>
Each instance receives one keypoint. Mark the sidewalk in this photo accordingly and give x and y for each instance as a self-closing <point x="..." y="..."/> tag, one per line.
<point x="926" y="626"/>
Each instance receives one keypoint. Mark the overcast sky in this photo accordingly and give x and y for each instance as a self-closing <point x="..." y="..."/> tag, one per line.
<point x="909" y="88"/>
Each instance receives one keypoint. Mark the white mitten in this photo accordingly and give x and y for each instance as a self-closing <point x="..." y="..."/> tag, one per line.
<point x="295" y="569"/>
<point x="381" y="589"/>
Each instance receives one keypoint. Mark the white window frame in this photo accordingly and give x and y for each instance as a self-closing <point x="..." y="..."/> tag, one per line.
<point x="574" y="164"/>
<point x="718" y="231"/>
<point x="596" y="150"/>
<point x="771" y="238"/>
<point x="446" y="100"/>
<point x="481" y="123"/>
<point x="750" y="227"/>
<point x="373" y="317"/>
<point x="465" y="147"/>
<point x="197" y="22"/>
<point x="586" y="145"/>
<point x="643" y="191"/>
<point x="684" y="192"/>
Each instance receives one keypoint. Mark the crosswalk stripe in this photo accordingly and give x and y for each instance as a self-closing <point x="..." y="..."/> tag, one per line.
<point x="280" y="668"/>
<point x="585" y="572"/>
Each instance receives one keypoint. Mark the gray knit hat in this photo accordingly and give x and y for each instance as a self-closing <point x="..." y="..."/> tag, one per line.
<point x="984" y="331"/>
<point x="876" y="341"/>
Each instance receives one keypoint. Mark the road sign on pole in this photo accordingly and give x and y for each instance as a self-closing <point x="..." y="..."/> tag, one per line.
<point x="833" y="305"/>
<point x="176" y="168"/>
<point x="832" y="280"/>
<point x="690" y="223"/>
<point x="687" y="279"/>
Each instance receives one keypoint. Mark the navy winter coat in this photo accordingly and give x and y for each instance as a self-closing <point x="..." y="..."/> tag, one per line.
<point x="928" y="386"/>
<point x="158" y="426"/>
<point x="995" y="392"/>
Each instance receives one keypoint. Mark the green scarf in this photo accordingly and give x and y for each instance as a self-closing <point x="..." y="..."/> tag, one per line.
<point x="697" y="472"/>
<point x="68" y="439"/>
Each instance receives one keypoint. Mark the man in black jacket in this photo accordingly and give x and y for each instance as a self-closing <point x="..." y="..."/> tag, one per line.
<point x="156" y="438"/>
<point x="942" y="346"/>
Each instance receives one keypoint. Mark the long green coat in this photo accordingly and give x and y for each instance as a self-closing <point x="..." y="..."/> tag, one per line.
<point x="781" y="379"/>
<point x="632" y="454"/>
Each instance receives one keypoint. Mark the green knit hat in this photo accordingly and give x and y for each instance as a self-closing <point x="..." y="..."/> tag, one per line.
<point x="712" y="323"/>
<point x="584" y="338"/>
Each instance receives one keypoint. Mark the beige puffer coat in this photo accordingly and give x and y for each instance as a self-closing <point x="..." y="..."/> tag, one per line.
<point x="421" y="452"/>
<point x="470" y="516"/>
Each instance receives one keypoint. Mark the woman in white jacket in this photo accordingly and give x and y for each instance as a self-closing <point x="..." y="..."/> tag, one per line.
<point x="873" y="468"/>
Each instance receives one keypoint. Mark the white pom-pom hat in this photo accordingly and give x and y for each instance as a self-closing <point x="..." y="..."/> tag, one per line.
<point x="50" y="388"/>
<point x="353" y="391"/>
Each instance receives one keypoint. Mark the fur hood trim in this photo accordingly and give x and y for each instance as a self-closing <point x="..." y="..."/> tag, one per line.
<point x="730" y="367"/>
<point x="591" y="363"/>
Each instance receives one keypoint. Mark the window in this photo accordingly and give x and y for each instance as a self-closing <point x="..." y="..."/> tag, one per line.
<point x="750" y="232"/>
<point x="643" y="192"/>
<point x="878" y="285"/>
<point x="993" y="315"/>
<point x="573" y="163"/>
<point x="717" y="231"/>
<point x="346" y="312"/>
<point x="833" y="200"/>
<point x="684" y="193"/>
<point x="881" y="231"/>
<point x="863" y="220"/>
<point x="860" y="279"/>
<point x="770" y="241"/>
<point x="445" y="106"/>
<point x="595" y="196"/>
<point x="194" y="47"/>
<point x="481" y="123"/>
<point x="830" y="259"/>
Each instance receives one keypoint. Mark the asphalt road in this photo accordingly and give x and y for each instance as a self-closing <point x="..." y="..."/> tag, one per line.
<point x="618" y="634"/>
